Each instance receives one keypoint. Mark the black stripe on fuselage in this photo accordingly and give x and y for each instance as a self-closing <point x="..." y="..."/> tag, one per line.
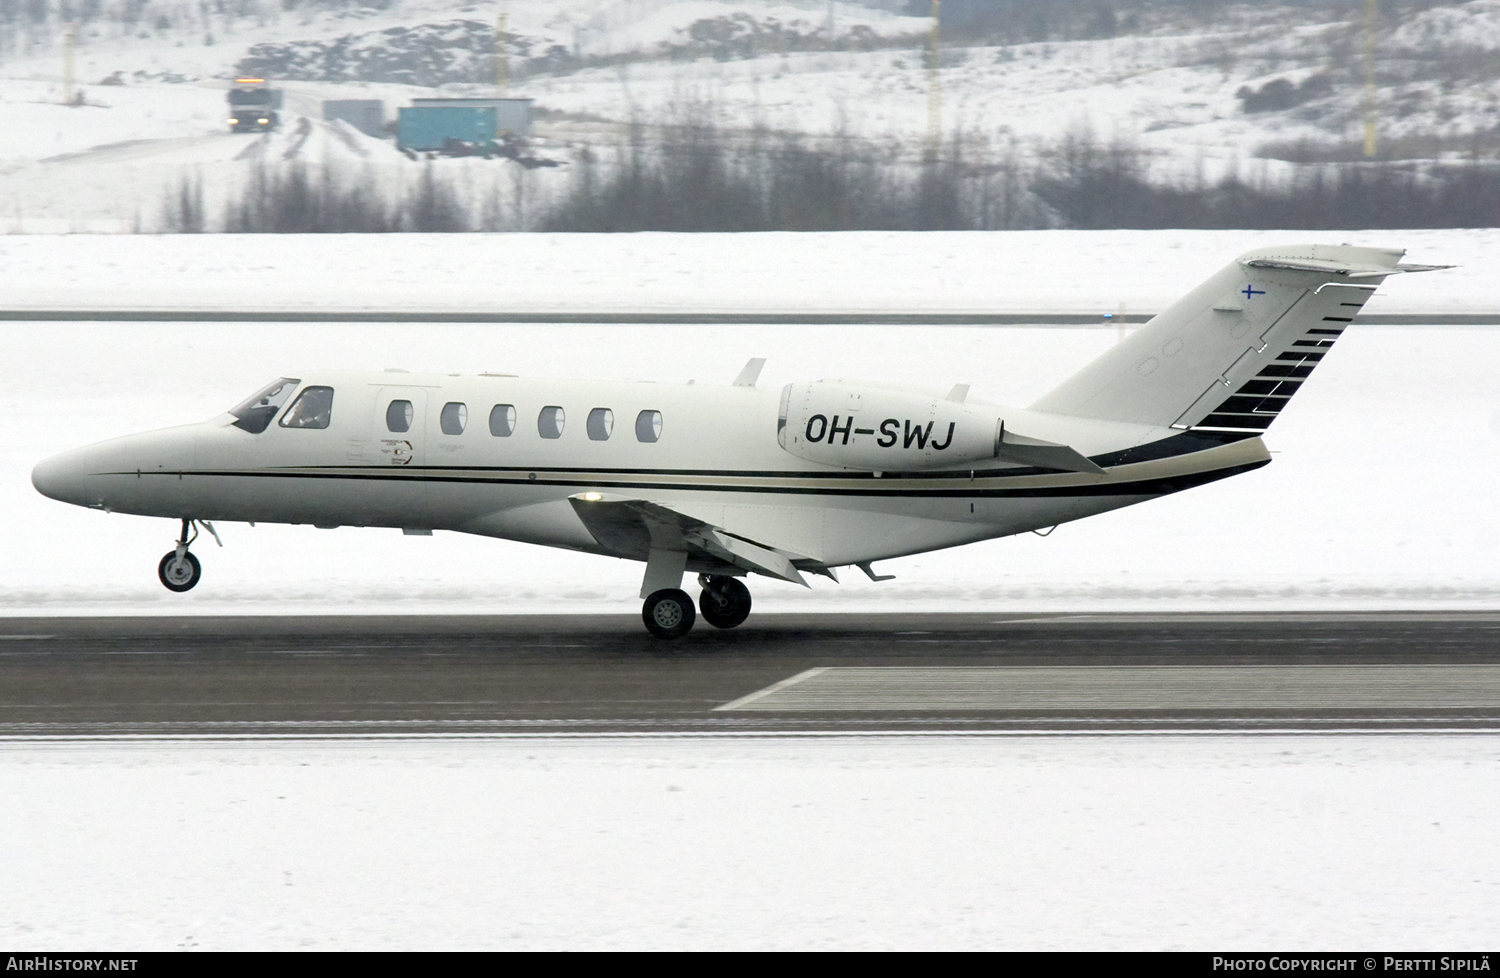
<point x="1143" y="487"/>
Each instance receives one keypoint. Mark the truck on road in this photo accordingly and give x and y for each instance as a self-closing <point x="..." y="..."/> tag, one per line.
<point x="253" y="106"/>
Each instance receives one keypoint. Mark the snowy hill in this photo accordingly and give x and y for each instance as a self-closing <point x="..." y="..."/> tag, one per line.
<point x="1198" y="88"/>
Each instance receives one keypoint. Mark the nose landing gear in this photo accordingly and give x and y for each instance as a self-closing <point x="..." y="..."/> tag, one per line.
<point x="180" y="570"/>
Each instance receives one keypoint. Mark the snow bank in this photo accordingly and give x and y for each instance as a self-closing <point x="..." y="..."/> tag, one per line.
<point x="1094" y="272"/>
<point x="1475" y="24"/>
<point x="1213" y="842"/>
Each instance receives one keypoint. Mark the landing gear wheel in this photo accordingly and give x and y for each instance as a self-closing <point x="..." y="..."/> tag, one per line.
<point x="179" y="573"/>
<point x="668" y="613"/>
<point x="725" y="601"/>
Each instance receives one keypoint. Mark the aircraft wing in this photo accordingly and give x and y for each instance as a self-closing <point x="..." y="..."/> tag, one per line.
<point x="633" y="527"/>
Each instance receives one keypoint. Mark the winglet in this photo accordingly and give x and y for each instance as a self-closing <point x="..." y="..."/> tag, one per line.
<point x="750" y="373"/>
<point x="958" y="394"/>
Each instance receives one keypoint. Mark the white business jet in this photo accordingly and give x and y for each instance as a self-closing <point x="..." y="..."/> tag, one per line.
<point x="736" y="480"/>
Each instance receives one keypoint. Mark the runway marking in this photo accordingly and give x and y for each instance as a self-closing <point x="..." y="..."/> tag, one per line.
<point x="743" y="702"/>
<point x="296" y="651"/>
<point x="1130" y="688"/>
<point x="25" y="638"/>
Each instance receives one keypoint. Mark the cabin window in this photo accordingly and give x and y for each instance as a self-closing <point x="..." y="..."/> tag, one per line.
<point x="549" y="424"/>
<point x="256" y="411"/>
<point x="648" y="426"/>
<point x="454" y="418"/>
<point x="502" y="420"/>
<point x="398" y="416"/>
<point x="601" y="424"/>
<point x="312" y="409"/>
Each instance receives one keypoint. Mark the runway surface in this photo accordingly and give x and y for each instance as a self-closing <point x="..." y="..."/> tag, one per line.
<point x="369" y="676"/>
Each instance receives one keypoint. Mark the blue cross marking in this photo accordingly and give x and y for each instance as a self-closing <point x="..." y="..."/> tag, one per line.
<point x="1251" y="290"/>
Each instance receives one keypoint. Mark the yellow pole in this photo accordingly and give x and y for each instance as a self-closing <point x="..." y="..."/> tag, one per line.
<point x="69" y="78"/>
<point x="1372" y="11"/>
<point x="502" y="57"/>
<point x="934" y="86"/>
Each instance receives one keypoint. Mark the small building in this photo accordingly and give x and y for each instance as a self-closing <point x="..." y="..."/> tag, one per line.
<point x="426" y="129"/>
<point x="365" y="114"/>
<point x="512" y="115"/>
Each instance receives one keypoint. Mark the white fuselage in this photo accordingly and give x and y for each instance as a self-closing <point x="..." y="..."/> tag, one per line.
<point x="716" y="458"/>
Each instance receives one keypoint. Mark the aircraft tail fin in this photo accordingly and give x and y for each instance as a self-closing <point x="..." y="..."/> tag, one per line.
<point x="1230" y="353"/>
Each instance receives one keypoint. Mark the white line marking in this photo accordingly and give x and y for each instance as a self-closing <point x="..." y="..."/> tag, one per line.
<point x="773" y="688"/>
<point x="21" y="638"/>
<point x="1322" y="686"/>
<point x="1013" y="621"/>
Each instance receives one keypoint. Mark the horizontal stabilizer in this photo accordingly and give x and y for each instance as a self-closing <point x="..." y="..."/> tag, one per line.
<point x="1345" y="268"/>
<point x="630" y="527"/>
<point x="1011" y="447"/>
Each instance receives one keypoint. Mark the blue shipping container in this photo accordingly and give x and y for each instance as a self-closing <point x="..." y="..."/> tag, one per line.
<point x="424" y="128"/>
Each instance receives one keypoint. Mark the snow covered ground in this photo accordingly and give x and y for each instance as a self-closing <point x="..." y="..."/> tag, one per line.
<point x="1210" y="843"/>
<point x="1379" y="496"/>
<point x="1063" y="271"/>
<point x="1170" y="88"/>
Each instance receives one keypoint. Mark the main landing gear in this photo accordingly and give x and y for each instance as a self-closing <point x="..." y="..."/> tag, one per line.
<point x="668" y="613"/>
<point x="180" y="570"/>
<point x="724" y="601"/>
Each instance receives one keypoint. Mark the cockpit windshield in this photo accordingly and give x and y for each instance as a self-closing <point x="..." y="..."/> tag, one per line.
<point x="255" y="412"/>
<point x="252" y="96"/>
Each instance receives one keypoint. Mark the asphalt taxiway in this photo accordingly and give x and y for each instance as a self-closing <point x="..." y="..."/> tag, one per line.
<point x="422" y="675"/>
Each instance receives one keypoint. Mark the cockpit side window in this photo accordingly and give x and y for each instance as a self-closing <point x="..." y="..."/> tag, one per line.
<point x="257" y="410"/>
<point x="313" y="408"/>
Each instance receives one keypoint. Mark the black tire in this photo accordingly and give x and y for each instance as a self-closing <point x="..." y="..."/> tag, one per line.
<point x="725" y="603"/>
<point x="668" y="613"/>
<point x="179" y="575"/>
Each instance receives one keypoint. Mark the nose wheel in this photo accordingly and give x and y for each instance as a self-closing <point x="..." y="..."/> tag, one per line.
<point x="725" y="601"/>
<point x="180" y="570"/>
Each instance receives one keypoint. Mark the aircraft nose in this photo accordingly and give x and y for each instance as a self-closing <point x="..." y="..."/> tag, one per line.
<point x="61" y="477"/>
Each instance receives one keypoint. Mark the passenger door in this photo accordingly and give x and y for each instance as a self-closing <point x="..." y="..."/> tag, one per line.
<point x="397" y="445"/>
<point x="399" y="422"/>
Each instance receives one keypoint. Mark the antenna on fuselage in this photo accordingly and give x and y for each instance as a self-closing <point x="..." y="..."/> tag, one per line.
<point x="750" y="373"/>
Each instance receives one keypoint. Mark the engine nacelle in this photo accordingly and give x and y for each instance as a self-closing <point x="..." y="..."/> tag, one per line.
<point x="882" y="430"/>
